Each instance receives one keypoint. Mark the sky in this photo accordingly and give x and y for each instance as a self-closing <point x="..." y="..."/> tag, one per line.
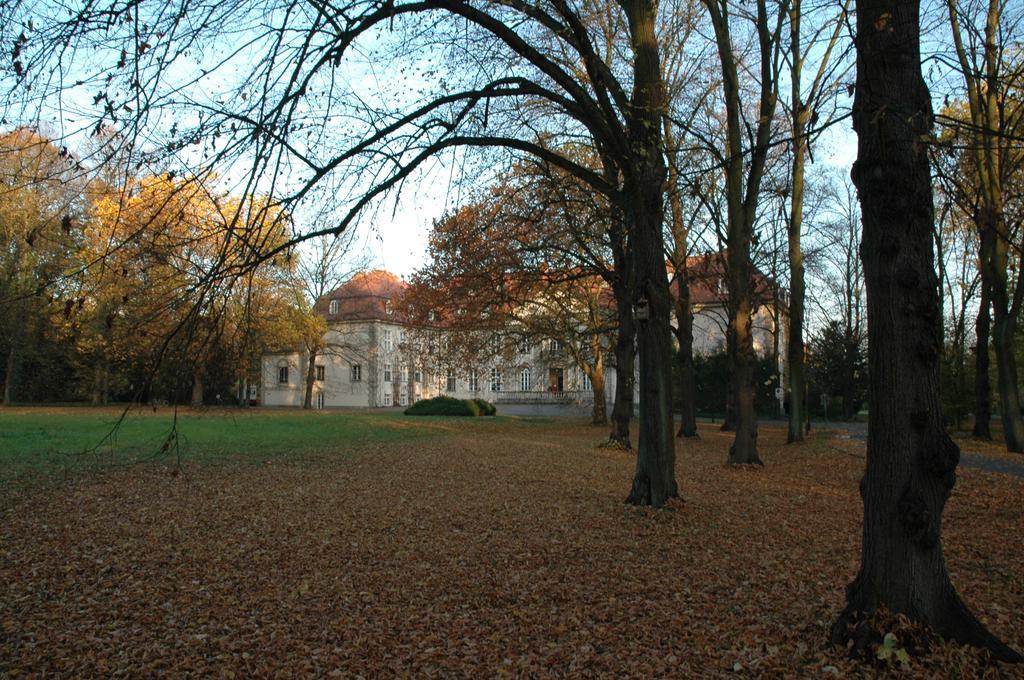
<point x="396" y="237"/>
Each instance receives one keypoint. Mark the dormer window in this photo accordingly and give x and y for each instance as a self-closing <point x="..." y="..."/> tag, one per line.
<point x="387" y="308"/>
<point x="431" y="316"/>
<point x="335" y="306"/>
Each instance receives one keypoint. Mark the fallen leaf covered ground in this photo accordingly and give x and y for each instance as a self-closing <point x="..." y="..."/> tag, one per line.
<point x="501" y="550"/>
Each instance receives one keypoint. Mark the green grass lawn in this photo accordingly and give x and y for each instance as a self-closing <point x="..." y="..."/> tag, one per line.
<point x="45" y="441"/>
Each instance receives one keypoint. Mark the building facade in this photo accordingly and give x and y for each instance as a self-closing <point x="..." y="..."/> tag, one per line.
<point x="374" y="356"/>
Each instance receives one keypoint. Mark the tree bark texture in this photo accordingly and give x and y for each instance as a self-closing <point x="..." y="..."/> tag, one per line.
<point x="683" y="310"/>
<point x="100" y="380"/>
<point x="197" y="391"/>
<point x="911" y="461"/>
<point x="599" y="413"/>
<point x="625" y="358"/>
<point x="795" y="338"/>
<point x="654" y="480"/>
<point x="1004" y="326"/>
<point x="687" y="374"/>
<point x="9" y="375"/>
<point x="982" y="383"/>
<point x="307" y="399"/>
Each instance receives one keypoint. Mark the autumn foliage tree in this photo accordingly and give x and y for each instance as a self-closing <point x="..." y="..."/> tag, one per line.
<point x="516" y="79"/>
<point x="41" y="204"/>
<point x="150" y="290"/>
<point x="503" y="274"/>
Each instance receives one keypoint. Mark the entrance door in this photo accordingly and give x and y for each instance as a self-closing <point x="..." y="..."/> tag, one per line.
<point x="319" y="399"/>
<point x="556" y="379"/>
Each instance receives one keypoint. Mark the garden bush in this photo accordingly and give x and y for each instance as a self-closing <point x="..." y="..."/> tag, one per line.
<point x="486" y="407"/>
<point x="444" y="406"/>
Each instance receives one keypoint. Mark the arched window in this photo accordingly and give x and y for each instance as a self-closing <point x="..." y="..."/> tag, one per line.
<point x="524" y="380"/>
<point x="335" y="306"/>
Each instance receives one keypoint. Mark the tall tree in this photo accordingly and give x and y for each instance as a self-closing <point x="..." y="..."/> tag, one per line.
<point x="911" y="461"/>
<point x="994" y="123"/>
<point x="744" y="170"/>
<point x="516" y="268"/>
<point x="531" y="72"/>
<point x="803" y="116"/>
<point x="40" y="203"/>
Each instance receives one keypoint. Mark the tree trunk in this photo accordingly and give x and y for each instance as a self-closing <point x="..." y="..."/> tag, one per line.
<point x="687" y="375"/>
<point x="654" y="481"/>
<point x="683" y="310"/>
<point x="795" y="339"/>
<point x="982" y="384"/>
<point x="10" y="368"/>
<point x="911" y="461"/>
<point x="197" y="390"/>
<point x="744" y="447"/>
<point x="625" y="357"/>
<point x="599" y="414"/>
<point x="100" y="380"/>
<point x="742" y="199"/>
<point x="1004" y="328"/>
<point x="307" y="399"/>
<point x="625" y="338"/>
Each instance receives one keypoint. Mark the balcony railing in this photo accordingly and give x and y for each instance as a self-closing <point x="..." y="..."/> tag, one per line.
<point x="544" y="397"/>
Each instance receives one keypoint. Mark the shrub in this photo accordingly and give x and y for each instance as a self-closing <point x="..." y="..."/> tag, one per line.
<point x="486" y="407"/>
<point x="444" y="406"/>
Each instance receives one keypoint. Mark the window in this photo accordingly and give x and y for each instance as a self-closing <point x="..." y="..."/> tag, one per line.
<point x="444" y="343"/>
<point x="320" y="373"/>
<point x="474" y="385"/>
<point x="282" y="375"/>
<point x="554" y="345"/>
<point x="431" y="316"/>
<point x="403" y="373"/>
<point x="450" y="379"/>
<point x="335" y="305"/>
<point x="585" y="380"/>
<point x="387" y="371"/>
<point x="387" y="341"/>
<point x="319" y="399"/>
<point x="403" y="398"/>
<point x="387" y="307"/>
<point x="495" y="380"/>
<point x="357" y="372"/>
<point x="402" y="337"/>
<point x="417" y="376"/>
<point x="524" y="346"/>
<point x="524" y="380"/>
<point x="387" y="398"/>
<point x="496" y="344"/>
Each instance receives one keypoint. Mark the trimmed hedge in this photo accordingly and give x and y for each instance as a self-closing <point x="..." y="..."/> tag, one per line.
<point x="443" y="406"/>
<point x="486" y="407"/>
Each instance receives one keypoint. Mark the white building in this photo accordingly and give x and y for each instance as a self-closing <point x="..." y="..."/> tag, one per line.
<point x="374" y="356"/>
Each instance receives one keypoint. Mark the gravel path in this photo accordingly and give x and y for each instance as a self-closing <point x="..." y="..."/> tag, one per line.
<point x="969" y="459"/>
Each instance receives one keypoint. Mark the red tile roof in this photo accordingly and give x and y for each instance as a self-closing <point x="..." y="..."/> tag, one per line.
<point x="367" y="295"/>
<point x="709" y="285"/>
